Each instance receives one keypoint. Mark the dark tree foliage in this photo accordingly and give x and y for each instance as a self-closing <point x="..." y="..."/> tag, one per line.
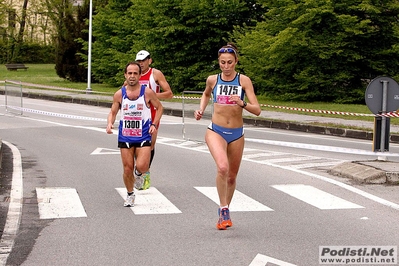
<point x="182" y="36"/>
<point x="113" y="31"/>
<point x="321" y="50"/>
<point x="293" y="50"/>
<point x="68" y="63"/>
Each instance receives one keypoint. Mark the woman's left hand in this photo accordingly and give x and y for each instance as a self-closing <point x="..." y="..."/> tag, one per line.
<point x="237" y="99"/>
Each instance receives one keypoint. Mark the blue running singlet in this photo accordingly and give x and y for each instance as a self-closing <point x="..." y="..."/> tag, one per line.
<point x="135" y="120"/>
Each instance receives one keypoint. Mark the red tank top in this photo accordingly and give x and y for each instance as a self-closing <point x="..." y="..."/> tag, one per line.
<point x="149" y="80"/>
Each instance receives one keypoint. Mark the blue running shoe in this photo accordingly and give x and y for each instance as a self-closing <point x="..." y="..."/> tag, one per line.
<point x="224" y="219"/>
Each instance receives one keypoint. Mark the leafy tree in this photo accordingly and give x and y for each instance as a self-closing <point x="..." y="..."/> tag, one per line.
<point x="4" y="45"/>
<point x="19" y="40"/>
<point x="320" y="50"/>
<point x="3" y="14"/>
<point x="22" y="26"/>
<point x="113" y="32"/>
<point x="71" y="24"/>
<point x="14" y="41"/>
<point x="182" y="36"/>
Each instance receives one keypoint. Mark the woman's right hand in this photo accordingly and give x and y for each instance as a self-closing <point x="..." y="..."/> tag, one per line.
<point x="198" y="114"/>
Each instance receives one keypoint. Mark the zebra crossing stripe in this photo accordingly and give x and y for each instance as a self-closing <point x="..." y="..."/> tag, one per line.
<point x="59" y="203"/>
<point x="150" y="201"/>
<point x="321" y="147"/>
<point x="262" y="154"/>
<point x="263" y="260"/>
<point x="316" y="197"/>
<point x="239" y="203"/>
<point x="312" y="165"/>
<point x="292" y="159"/>
<point x="104" y="151"/>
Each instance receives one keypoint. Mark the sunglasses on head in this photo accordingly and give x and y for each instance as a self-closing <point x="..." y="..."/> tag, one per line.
<point x="227" y="50"/>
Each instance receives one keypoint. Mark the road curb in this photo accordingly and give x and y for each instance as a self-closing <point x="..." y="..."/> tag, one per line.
<point x="359" y="172"/>
<point x="68" y="99"/>
<point x="263" y="122"/>
<point x="1" y="154"/>
<point x="354" y="170"/>
<point x="368" y="172"/>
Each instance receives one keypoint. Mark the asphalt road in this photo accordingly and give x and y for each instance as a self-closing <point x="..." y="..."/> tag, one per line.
<point x="286" y="204"/>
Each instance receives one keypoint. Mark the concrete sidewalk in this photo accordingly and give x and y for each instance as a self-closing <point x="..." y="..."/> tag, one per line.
<point x="377" y="171"/>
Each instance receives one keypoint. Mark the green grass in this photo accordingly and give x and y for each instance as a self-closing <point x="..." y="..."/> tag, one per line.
<point x="45" y="74"/>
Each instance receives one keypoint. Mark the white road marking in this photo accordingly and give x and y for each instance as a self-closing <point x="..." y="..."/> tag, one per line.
<point x="292" y="159"/>
<point x="369" y="196"/>
<point x="357" y="191"/>
<point x="262" y="154"/>
<point x="14" y="208"/>
<point x="78" y="117"/>
<point x="312" y="165"/>
<point x="191" y="143"/>
<point x="150" y="201"/>
<point x="56" y="202"/>
<point x="262" y="260"/>
<point x="103" y="151"/>
<point x="321" y="147"/>
<point x="316" y="197"/>
<point x="239" y="203"/>
<point x="172" y="142"/>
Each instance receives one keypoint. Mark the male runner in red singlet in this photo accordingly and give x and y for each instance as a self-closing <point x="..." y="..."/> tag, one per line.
<point x="156" y="81"/>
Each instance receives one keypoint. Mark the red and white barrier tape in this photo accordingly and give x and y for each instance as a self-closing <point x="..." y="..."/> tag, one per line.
<point x="185" y="97"/>
<point x="389" y="114"/>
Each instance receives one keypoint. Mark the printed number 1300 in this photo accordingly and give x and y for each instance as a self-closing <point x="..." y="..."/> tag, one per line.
<point x="132" y="124"/>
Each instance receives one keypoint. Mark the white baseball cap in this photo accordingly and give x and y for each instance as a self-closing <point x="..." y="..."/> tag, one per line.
<point x="141" y="55"/>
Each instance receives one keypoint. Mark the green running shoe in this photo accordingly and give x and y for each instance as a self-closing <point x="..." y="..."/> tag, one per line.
<point x="147" y="181"/>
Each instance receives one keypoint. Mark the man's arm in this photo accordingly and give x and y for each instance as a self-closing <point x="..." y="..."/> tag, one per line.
<point x="166" y="92"/>
<point x="153" y="99"/>
<point x="114" y="111"/>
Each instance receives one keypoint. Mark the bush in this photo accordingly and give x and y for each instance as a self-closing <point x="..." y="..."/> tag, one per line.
<point x="37" y="54"/>
<point x="29" y="53"/>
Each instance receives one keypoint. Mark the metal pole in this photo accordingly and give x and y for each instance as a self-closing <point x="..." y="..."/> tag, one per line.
<point x="383" y="118"/>
<point x="21" y="97"/>
<point x="184" y="110"/>
<point x="183" y="113"/>
<point x="88" y="90"/>
<point x="6" y="94"/>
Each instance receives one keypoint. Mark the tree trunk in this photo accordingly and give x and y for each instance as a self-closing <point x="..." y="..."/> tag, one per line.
<point x="20" y="38"/>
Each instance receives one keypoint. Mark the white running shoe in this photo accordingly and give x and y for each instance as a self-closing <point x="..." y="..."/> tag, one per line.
<point x="139" y="180"/>
<point x="129" y="201"/>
